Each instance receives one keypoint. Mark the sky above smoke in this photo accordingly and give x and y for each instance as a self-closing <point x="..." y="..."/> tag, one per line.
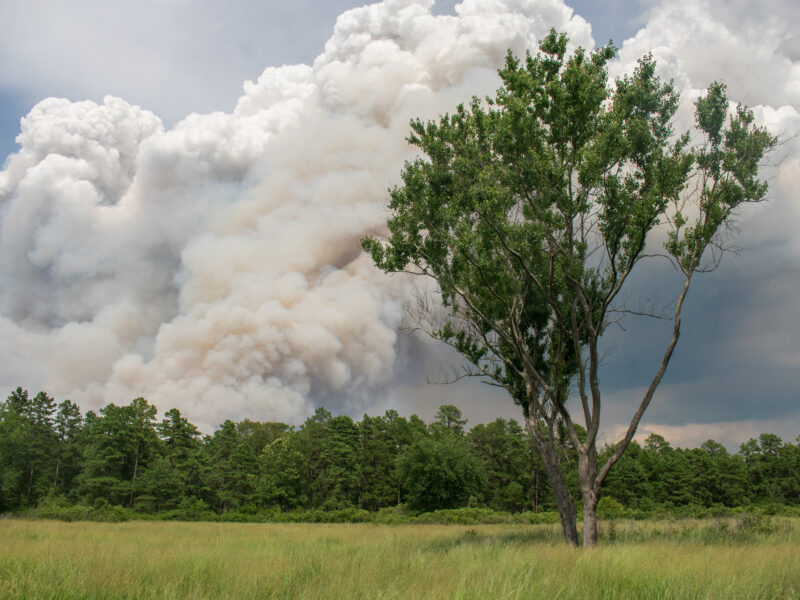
<point x="172" y="233"/>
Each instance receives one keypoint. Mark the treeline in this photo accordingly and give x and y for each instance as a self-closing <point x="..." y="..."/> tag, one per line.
<point x="125" y="456"/>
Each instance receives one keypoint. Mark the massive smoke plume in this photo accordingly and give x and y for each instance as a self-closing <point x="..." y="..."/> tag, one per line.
<point x="215" y="266"/>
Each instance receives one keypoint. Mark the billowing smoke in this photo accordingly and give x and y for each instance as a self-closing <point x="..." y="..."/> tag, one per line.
<point x="216" y="267"/>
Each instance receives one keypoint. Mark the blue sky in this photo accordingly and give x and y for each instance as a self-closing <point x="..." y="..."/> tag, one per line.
<point x="203" y="251"/>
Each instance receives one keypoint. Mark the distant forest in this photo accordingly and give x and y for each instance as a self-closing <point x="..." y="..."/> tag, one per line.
<point x="124" y="456"/>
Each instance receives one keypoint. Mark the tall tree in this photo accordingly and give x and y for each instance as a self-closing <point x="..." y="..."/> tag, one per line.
<point x="13" y="450"/>
<point x="336" y="481"/>
<point x="259" y="434"/>
<point x="440" y="471"/>
<point x="669" y="472"/>
<point x="449" y="418"/>
<point x="178" y="472"/>
<point x="502" y="448"/>
<point x="29" y="448"/>
<point x="772" y="468"/>
<point x="628" y="481"/>
<point x="142" y="438"/>
<point x="183" y="449"/>
<point x="377" y="453"/>
<point x="117" y="446"/>
<point x="532" y="211"/>
<point x="717" y="477"/>
<point x="281" y="479"/>
<point x="67" y="425"/>
<point x="402" y="433"/>
<point x="234" y="468"/>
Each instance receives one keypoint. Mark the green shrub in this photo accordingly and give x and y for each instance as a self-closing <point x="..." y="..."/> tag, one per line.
<point x="609" y="508"/>
<point x="464" y="516"/>
<point x="100" y="503"/>
<point x="538" y="518"/>
<point x="345" y="515"/>
<point x="392" y="516"/>
<point x="193" y="509"/>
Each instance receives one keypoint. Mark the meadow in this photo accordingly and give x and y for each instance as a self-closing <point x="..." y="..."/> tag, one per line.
<point x="746" y="557"/>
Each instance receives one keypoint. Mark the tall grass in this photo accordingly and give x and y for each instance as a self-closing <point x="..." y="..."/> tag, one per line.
<point x="759" y="558"/>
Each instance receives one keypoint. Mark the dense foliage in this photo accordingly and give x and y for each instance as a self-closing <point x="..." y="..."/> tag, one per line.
<point x="124" y="456"/>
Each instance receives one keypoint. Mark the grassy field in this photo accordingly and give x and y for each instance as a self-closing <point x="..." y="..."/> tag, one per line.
<point x="741" y="558"/>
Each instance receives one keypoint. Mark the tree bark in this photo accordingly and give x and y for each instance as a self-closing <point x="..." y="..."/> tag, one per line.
<point x="589" y="521"/>
<point x="590" y="487"/>
<point x="133" y="479"/>
<point x="55" y="477"/>
<point x="566" y="508"/>
<point x="30" y="486"/>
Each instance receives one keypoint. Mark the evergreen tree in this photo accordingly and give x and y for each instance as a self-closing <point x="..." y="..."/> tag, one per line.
<point x="377" y="481"/>
<point x="142" y="440"/>
<point x="772" y="469"/>
<point x="29" y="448"/>
<point x="282" y="474"/>
<point x="502" y="447"/>
<point x="440" y="472"/>
<point x="13" y="456"/>
<point x="336" y="484"/>
<point x="628" y="481"/>
<point x="118" y="446"/>
<point x="228" y="478"/>
<point x="449" y="418"/>
<point x="717" y="477"/>
<point x="259" y="434"/>
<point x="67" y="425"/>
<point x="184" y="451"/>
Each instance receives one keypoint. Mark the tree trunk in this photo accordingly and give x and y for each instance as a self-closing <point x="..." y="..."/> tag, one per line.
<point x="587" y="475"/>
<point x="30" y="486"/>
<point x="589" y="521"/>
<point x="566" y="508"/>
<point x="55" y="477"/>
<point x="133" y="479"/>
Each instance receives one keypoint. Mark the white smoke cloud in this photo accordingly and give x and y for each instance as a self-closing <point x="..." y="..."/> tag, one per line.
<point x="215" y="266"/>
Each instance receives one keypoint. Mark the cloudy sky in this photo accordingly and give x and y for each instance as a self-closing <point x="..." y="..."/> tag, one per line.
<point x="180" y="210"/>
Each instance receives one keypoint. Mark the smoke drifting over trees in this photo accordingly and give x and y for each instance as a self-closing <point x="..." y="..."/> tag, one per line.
<point x="215" y="265"/>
